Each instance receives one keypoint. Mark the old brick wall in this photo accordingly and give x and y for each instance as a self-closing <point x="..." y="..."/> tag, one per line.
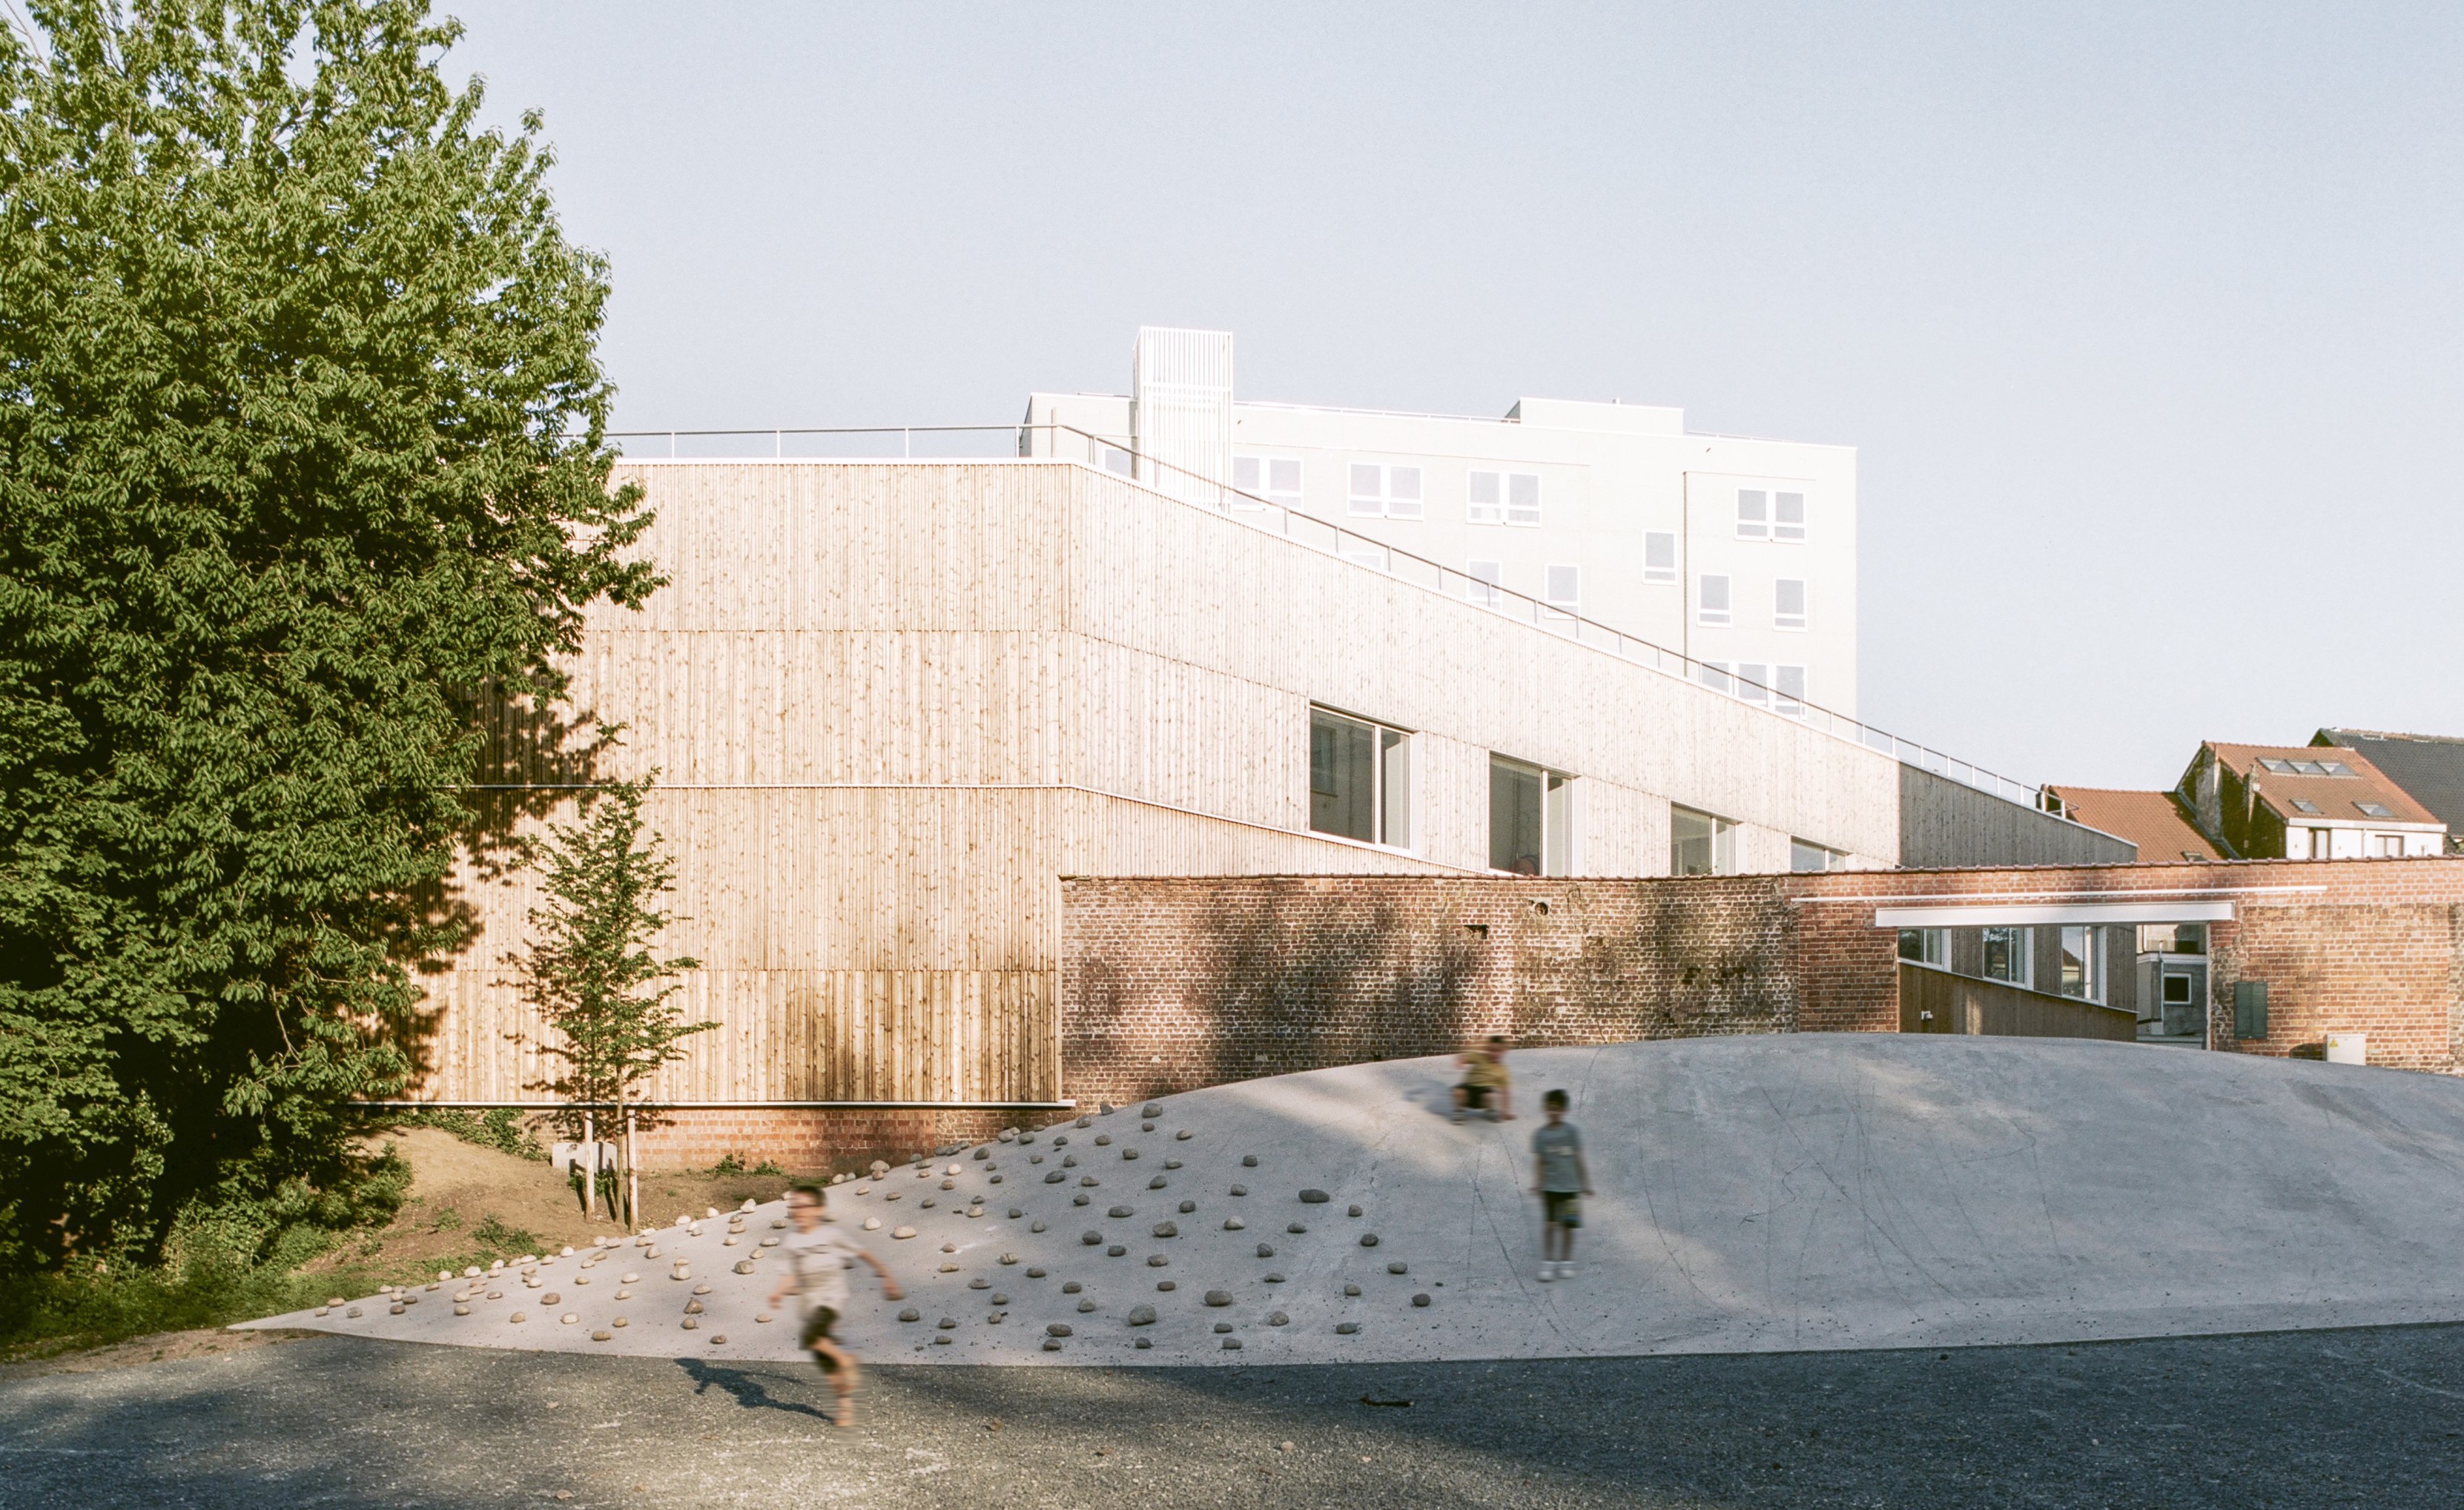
<point x="814" y="1141"/>
<point x="1170" y="983"/>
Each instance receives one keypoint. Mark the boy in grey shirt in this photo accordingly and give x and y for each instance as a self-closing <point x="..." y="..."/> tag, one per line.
<point x="1562" y="1179"/>
<point x="818" y="1255"/>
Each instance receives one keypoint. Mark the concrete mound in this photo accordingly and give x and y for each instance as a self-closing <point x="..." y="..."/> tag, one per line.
<point x="1803" y="1191"/>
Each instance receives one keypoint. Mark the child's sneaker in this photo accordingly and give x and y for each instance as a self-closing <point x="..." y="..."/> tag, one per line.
<point x="1548" y="1272"/>
<point x="1565" y="1271"/>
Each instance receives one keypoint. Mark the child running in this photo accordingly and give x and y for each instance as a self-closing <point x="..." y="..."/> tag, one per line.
<point x="818" y="1255"/>
<point x="1562" y="1179"/>
<point x="1485" y="1080"/>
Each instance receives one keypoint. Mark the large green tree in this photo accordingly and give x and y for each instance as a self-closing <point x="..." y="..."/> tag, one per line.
<point x="302" y="455"/>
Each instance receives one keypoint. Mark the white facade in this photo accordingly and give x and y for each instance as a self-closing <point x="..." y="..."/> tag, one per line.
<point x="1740" y="552"/>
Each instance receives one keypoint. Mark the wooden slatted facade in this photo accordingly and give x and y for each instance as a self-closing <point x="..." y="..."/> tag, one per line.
<point x="890" y="704"/>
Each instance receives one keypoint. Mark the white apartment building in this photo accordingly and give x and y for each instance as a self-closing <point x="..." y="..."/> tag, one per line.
<point x="1739" y="553"/>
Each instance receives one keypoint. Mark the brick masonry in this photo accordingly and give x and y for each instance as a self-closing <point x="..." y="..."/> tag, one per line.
<point x="1173" y="983"/>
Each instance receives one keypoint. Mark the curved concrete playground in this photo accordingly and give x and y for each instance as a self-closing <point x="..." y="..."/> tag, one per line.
<point x="1765" y="1193"/>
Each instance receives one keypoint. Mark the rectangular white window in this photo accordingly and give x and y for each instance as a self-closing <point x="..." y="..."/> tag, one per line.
<point x="1530" y="818"/>
<point x="1700" y="844"/>
<point x="1714" y="675"/>
<point x="1523" y="498"/>
<point x="1485" y="501"/>
<point x="1565" y="587"/>
<point x="1804" y="854"/>
<point x="1115" y="460"/>
<point x="1926" y="946"/>
<point x="1788" y="516"/>
<point x="1753" y="514"/>
<point x="1711" y="601"/>
<point x="2006" y="956"/>
<point x="1788" y="690"/>
<point x="1360" y="780"/>
<point x="1753" y="682"/>
<point x="1483" y="590"/>
<point x="1277" y="479"/>
<point x="1788" y="604"/>
<point x="1658" y="556"/>
<point x="1391" y="493"/>
<point x="1363" y="553"/>
<point x="2084" y="963"/>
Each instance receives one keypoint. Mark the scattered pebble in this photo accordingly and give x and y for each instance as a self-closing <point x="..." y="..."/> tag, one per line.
<point x="1182" y="1134"/>
<point x="1035" y="1274"/>
<point x="1114" y="1250"/>
<point x="1093" y="1239"/>
<point x="1314" y="1197"/>
<point x="1351" y="1289"/>
<point x="1240" y="1190"/>
<point x="1158" y="1261"/>
<point x="1186" y="1207"/>
<point x="1398" y="1268"/>
<point x="1352" y="1211"/>
<point x="1421" y="1299"/>
<point x="1346" y="1329"/>
<point x="1218" y="1296"/>
<point x="1057" y="1329"/>
<point x="1231" y="1345"/>
<point x="1248" y="1161"/>
<point x="1368" y="1239"/>
<point x="1119" y="1211"/>
<point x="1070" y="1288"/>
<point x="1279" y="1318"/>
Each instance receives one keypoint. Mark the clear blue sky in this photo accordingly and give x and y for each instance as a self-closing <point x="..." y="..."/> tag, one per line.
<point x="2144" y="319"/>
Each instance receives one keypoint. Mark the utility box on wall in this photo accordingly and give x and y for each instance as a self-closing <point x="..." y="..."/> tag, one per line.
<point x="2250" y="1009"/>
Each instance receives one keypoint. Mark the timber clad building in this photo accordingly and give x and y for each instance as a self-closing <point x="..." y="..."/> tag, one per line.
<point x="894" y="704"/>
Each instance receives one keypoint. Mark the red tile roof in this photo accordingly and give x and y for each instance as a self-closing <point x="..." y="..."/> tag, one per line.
<point x="2334" y="796"/>
<point x="2151" y="819"/>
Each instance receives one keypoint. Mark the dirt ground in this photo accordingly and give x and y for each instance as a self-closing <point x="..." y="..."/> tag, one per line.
<point x="467" y="1201"/>
<point x="202" y="1342"/>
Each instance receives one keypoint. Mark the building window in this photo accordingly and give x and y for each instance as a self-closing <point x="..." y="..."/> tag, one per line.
<point x="2172" y="939"/>
<point x="1788" y="690"/>
<point x="2005" y="955"/>
<point x="1753" y="514"/>
<point x="1788" y="604"/>
<point x="1565" y="587"/>
<point x="1504" y="497"/>
<point x="1658" y="556"/>
<point x="1753" y="682"/>
<point x="1277" y="479"/>
<point x="1926" y="946"/>
<point x="2374" y="809"/>
<point x="1530" y="818"/>
<point x="1714" y="675"/>
<point x="1523" y="498"/>
<point x="1788" y="516"/>
<point x="1711" y="601"/>
<point x="1483" y="590"/>
<point x="1700" y="844"/>
<point x="1803" y="854"/>
<point x="1117" y="461"/>
<point x="1360" y="780"/>
<point x="2084" y="963"/>
<point x="1391" y="491"/>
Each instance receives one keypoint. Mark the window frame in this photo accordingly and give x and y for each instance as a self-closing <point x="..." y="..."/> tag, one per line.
<point x="1504" y="510"/>
<point x="1783" y="621"/>
<point x="1756" y="527"/>
<point x="1390" y="747"/>
<point x="1558" y="837"/>
<point x="1385" y="499"/>
<point x="1266" y="463"/>
<point x="1549" y="587"/>
<point x="2020" y="942"/>
<point x="1669" y="574"/>
<point x="1722" y="839"/>
<point x="1933" y="947"/>
<point x="1785" y="532"/>
<point x="1727" y="611"/>
<point x="1832" y="859"/>
<point x="2092" y="971"/>
<point x="1489" y="591"/>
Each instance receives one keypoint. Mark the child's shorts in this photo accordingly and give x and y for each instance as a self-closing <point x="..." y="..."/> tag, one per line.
<point x="1565" y="1208"/>
<point x="1475" y="1096"/>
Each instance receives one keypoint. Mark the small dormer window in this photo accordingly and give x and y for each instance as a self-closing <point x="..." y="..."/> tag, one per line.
<point x="2374" y="810"/>
<point x="2302" y="804"/>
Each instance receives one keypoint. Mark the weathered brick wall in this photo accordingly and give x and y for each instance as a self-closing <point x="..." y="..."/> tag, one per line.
<point x="811" y="1141"/>
<point x="1169" y="984"/>
<point x="1172" y="983"/>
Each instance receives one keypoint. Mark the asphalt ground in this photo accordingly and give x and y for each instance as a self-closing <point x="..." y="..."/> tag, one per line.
<point x="2363" y="1417"/>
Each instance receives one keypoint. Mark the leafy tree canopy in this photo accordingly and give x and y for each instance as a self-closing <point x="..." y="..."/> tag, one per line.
<point x="301" y="450"/>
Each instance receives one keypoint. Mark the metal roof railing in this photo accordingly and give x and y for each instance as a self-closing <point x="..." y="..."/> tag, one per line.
<point x="1116" y="455"/>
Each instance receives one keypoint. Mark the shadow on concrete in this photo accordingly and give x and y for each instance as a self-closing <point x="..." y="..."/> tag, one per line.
<point x="749" y="1391"/>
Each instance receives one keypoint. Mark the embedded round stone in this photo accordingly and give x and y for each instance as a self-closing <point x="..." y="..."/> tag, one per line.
<point x="1085" y="1306"/>
<point x="903" y="1232"/>
<point x="336" y="1300"/>
<point x="1055" y="1177"/>
<point x="1352" y="1211"/>
<point x="693" y="1307"/>
<point x="1346" y="1328"/>
<point x="1079" y="1200"/>
<point x="1296" y="1228"/>
<point x="1000" y="1299"/>
<point x="1015" y="1214"/>
<point x="1057" y="1329"/>
<point x="1172" y="1164"/>
<point x="949" y="1247"/>
<point x="1009" y="1258"/>
<point x="1278" y="1319"/>
<point x="1086" y="1121"/>
<point x="1114" y="1250"/>
<point x="911" y="1314"/>
<point x="1129" y="1153"/>
<point x="1186" y="1207"/>
<point x="1158" y="1261"/>
<point x="947" y="1324"/>
<point x="517" y="1316"/>
<point x="1146" y="1126"/>
<point x="1181" y="1135"/>
<point x="1218" y="1296"/>
<point x="1232" y="1224"/>
<point x="1398" y="1268"/>
<point x="1102" y="1139"/>
<point x="718" y="1339"/>
<point x="1035" y="1274"/>
<point x="551" y="1297"/>
<point x="602" y="1335"/>
<point x="1274" y="1279"/>
<point x="691" y="1324"/>
<point x="461" y="1308"/>
<point x="873" y="1224"/>
<point x="1265" y="1250"/>
<point x="1315" y="1196"/>
<point x="1071" y="1287"/>
<point x="618" y="1321"/>
<point x="1036" y="1225"/>
<point x="1119" y="1211"/>
<point x="1368" y="1239"/>
<point x="1152" y="1109"/>
<point x="949" y="1268"/>
<point x="701" y="1289"/>
<point x="1248" y="1161"/>
<point x="1166" y="1229"/>
<point x="1093" y="1239"/>
<point x="1351" y="1289"/>
<point x="1089" y="1181"/>
<point x="1166" y="1284"/>
<point x="1142" y="1315"/>
<point x="1158" y="1183"/>
<point x="1240" y="1190"/>
<point x="1421" y="1299"/>
<point x="978" y="1283"/>
<point x="397" y="1308"/>
<point x="569" y="1319"/>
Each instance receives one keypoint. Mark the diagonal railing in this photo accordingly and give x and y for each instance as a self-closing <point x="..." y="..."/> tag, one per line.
<point x="1114" y="454"/>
